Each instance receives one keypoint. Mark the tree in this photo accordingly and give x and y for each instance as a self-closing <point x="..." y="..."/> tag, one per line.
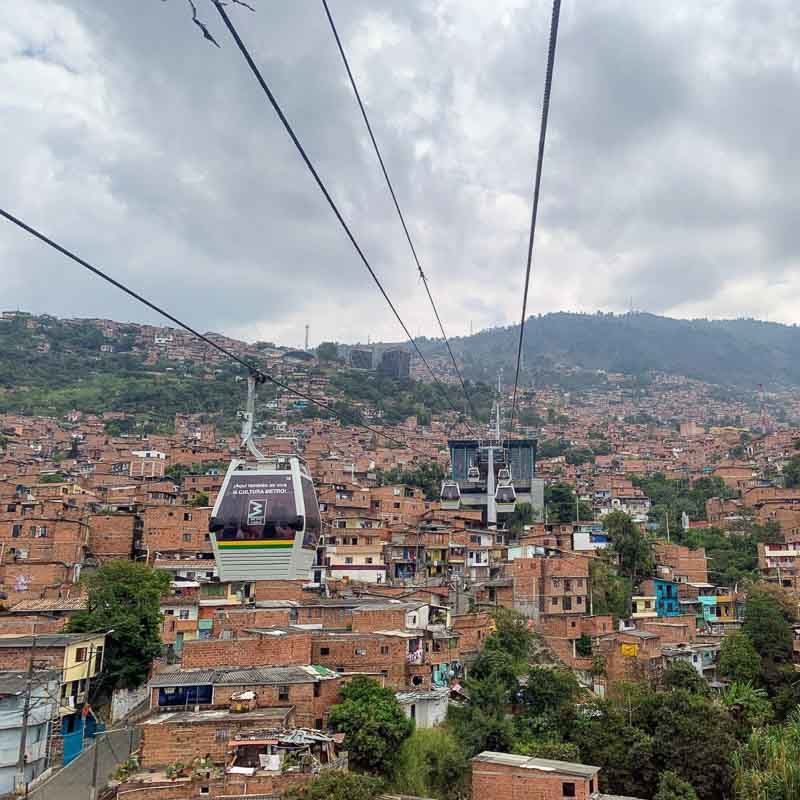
<point x="611" y="593"/>
<point x="738" y="659"/>
<point x="431" y="763"/>
<point x="512" y="633"/>
<point x="681" y="675"/>
<point x="791" y="472"/>
<point x="634" y="550"/>
<point x="673" y="719"/>
<point x="605" y="737"/>
<point x="767" y="627"/>
<point x="328" y="351"/>
<point x="124" y="597"/>
<point x="748" y="706"/>
<point x="336" y="785"/>
<point x="672" y="787"/>
<point x="373" y="722"/>
<point x="561" y="504"/>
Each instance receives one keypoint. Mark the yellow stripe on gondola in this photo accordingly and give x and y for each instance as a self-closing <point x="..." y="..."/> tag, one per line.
<point x="255" y="544"/>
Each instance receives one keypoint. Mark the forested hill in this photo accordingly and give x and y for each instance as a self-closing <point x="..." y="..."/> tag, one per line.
<point x="741" y="352"/>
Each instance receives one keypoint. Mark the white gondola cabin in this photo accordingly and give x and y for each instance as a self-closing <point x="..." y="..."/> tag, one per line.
<point x="265" y="524"/>
<point x="450" y="496"/>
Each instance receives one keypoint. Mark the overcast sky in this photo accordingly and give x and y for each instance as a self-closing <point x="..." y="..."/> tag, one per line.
<point x="671" y="178"/>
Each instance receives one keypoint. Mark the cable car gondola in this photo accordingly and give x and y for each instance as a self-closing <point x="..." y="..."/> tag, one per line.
<point x="505" y="496"/>
<point x="450" y="496"/>
<point x="265" y="524"/>
<point x="473" y="474"/>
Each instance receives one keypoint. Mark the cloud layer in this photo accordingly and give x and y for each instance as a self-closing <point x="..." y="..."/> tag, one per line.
<point x="670" y="179"/>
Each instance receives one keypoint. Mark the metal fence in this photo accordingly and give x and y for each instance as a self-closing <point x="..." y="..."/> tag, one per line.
<point x="75" y="781"/>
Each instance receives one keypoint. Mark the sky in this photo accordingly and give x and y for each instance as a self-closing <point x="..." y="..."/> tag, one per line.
<point x="671" y="183"/>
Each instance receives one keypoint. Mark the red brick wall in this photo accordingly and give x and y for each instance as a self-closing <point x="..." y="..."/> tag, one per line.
<point x="383" y="653"/>
<point x="472" y="630"/>
<point x="368" y="621"/>
<point x="111" y="535"/>
<point x="238" y="620"/>
<point x="330" y="617"/>
<point x="165" y="528"/>
<point x="167" y="743"/>
<point x="293" y="649"/>
<point x="283" y="590"/>
<point x="500" y="782"/>
<point x="24" y="624"/>
<point x="17" y="657"/>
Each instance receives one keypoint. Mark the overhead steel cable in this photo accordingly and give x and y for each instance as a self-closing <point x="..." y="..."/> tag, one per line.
<point x="396" y="203"/>
<point x="548" y="82"/>
<point x="253" y="368"/>
<point x="220" y="6"/>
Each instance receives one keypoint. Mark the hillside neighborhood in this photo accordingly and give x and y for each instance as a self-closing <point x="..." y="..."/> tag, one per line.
<point x="664" y="530"/>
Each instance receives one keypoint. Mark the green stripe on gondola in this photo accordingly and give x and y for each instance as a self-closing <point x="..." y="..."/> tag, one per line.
<point x="255" y="545"/>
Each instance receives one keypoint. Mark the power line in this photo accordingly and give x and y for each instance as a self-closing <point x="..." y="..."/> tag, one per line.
<point x="264" y="376"/>
<point x="548" y="81"/>
<point x="396" y="204"/>
<point x="219" y="5"/>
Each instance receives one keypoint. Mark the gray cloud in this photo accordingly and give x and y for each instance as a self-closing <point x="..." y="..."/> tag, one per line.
<point x="670" y="175"/>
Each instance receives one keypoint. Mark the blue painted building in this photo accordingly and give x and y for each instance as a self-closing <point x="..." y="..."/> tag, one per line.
<point x="667" y="603"/>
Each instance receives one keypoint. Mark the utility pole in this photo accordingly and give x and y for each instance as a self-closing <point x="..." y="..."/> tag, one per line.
<point x="666" y="516"/>
<point x="93" y="787"/>
<point x="26" y="712"/>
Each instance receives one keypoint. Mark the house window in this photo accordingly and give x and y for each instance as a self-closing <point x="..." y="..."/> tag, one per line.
<point x="348" y="560"/>
<point x="184" y="613"/>
<point x="568" y="789"/>
<point x="360" y="651"/>
<point x="567" y="606"/>
<point x="283" y="693"/>
<point x="324" y="651"/>
<point x="206" y="537"/>
<point x="554" y="601"/>
<point x="368" y="560"/>
<point x="187" y="537"/>
<point x="80" y="655"/>
<point x="591" y="785"/>
<point x="318" y="723"/>
<point x="384" y="649"/>
<point x="396" y="505"/>
<point x="354" y="540"/>
<point x="16" y="531"/>
<point x="317" y="690"/>
<point x="11" y="507"/>
<point x="187" y="516"/>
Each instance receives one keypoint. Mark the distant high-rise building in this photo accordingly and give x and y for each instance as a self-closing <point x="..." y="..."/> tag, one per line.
<point x="395" y="363"/>
<point x="361" y="358"/>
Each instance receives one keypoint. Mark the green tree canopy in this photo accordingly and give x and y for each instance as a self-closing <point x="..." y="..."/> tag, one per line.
<point x="738" y="659"/>
<point x="328" y="351"/>
<point x="682" y="675"/>
<point x="124" y="596"/>
<point x="431" y="763"/>
<point x="373" y="723"/>
<point x="767" y="627"/>
<point x="634" y="550"/>
<point x="336" y="785"/>
<point x="672" y="787"/>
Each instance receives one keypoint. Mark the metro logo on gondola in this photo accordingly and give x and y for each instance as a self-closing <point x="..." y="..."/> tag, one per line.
<point x="256" y="512"/>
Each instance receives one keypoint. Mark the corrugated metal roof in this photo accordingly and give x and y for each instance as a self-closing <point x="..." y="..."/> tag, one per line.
<point x="194" y="677"/>
<point x="64" y="604"/>
<point x="543" y="764"/>
<point x="46" y="639"/>
<point x="232" y="676"/>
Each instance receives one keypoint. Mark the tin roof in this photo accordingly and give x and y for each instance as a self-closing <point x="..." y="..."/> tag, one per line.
<point x="542" y="764"/>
